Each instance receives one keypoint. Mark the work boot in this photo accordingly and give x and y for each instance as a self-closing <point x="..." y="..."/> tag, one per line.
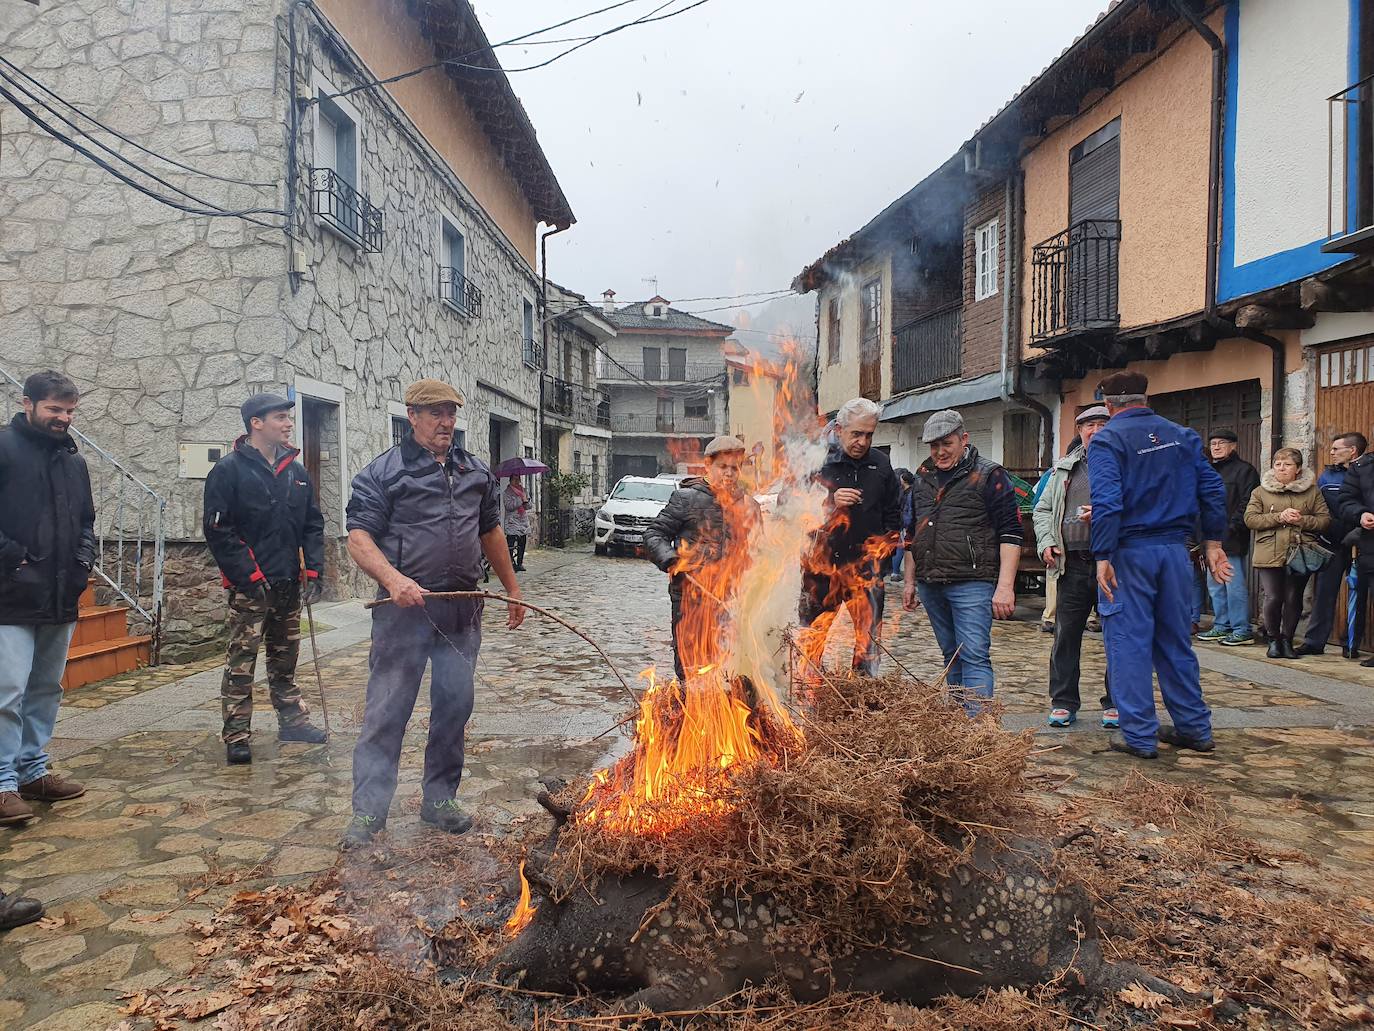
<point x="1118" y="743"/>
<point x="1275" y="650"/>
<point x="1170" y="736"/>
<point x="1310" y="649"/>
<point x="1350" y="653"/>
<point x="1286" y="645"/>
<point x="51" y="788"/>
<point x="16" y="911"/>
<point x="447" y="815"/>
<point x="1369" y="662"/>
<point x="307" y="732"/>
<point x="239" y="753"/>
<point x="14" y="809"/>
<point x="361" y="830"/>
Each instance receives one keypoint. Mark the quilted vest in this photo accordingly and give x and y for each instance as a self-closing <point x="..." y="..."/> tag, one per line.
<point x="953" y="538"/>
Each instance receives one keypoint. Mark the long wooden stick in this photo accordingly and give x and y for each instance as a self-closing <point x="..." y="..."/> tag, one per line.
<point x="534" y="608"/>
<point x="315" y="655"/>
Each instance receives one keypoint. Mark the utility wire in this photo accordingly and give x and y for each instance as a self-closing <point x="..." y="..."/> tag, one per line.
<point x="119" y="135"/>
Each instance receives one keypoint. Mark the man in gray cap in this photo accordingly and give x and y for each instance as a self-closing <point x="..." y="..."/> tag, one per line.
<point x="1063" y="533"/>
<point x="706" y="519"/>
<point x="964" y="542"/>
<point x="260" y="517"/>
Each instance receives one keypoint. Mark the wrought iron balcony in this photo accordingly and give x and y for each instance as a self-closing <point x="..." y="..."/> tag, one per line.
<point x="532" y="354"/>
<point x="578" y="403"/>
<point x="928" y="349"/>
<point x="667" y="371"/>
<point x="459" y="291"/>
<point x="1349" y="170"/>
<point x="1075" y="280"/>
<point x="346" y="210"/>
<point x="682" y="425"/>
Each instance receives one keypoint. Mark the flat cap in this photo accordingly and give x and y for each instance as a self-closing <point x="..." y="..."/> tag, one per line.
<point x="1095" y="412"/>
<point x="432" y="392"/>
<point x="721" y="445"/>
<point x="260" y="404"/>
<point x="942" y="424"/>
<point x="1224" y="435"/>
<point x="1125" y="383"/>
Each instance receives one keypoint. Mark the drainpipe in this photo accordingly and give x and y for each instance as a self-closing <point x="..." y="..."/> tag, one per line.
<point x="1011" y="309"/>
<point x="544" y="343"/>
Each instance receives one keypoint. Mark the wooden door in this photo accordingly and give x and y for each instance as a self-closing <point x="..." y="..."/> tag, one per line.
<point x="312" y="424"/>
<point x="870" y="341"/>
<point x="1233" y="406"/>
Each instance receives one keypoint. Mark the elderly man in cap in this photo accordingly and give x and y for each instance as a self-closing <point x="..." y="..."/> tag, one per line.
<point x="1231" y="601"/>
<point x="1063" y="517"/>
<point x="422" y="516"/>
<point x="706" y="519"/>
<point x="863" y="507"/>
<point x="964" y="544"/>
<point x="260" y="516"/>
<point x="1149" y="483"/>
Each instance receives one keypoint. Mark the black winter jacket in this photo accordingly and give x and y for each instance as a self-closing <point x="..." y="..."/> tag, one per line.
<point x="879" y="513"/>
<point x="47" y="526"/>
<point x="694" y="516"/>
<point x="258" y="518"/>
<point x="426" y="516"/>
<point x="1356" y="498"/>
<point x="957" y="529"/>
<point x="1241" y="480"/>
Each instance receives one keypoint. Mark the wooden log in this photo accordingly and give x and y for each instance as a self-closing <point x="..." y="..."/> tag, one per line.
<point x="1262" y="317"/>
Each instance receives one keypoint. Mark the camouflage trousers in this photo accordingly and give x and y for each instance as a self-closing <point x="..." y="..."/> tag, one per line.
<point x="251" y="622"/>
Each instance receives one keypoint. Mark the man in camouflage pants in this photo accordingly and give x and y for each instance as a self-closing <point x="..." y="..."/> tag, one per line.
<point x="260" y="516"/>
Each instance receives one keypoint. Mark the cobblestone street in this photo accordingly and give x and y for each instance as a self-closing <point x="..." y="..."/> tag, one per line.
<point x="167" y="832"/>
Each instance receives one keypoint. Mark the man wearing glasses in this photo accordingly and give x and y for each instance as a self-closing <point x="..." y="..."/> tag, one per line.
<point x="1344" y="450"/>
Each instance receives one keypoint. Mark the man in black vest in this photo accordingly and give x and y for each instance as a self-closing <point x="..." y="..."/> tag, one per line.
<point x="963" y="547"/>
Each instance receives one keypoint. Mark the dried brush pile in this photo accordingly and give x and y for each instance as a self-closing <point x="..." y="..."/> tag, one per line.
<point x="847" y="824"/>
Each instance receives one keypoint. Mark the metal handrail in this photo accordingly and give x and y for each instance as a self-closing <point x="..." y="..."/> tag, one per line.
<point x="1075" y="280"/>
<point x="460" y="292"/>
<point x="929" y="348"/>
<point x="1358" y="122"/>
<point x="113" y="538"/>
<point x="586" y="405"/>
<point x="664" y="372"/>
<point x="346" y="209"/>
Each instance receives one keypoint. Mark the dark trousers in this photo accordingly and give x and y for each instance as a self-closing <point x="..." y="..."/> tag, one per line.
<point x="1324" y="594"/>
<point x="1077" y="596"/>
<point x="404" y="641"/>
<point x="1282" y="600"/>
<point x="820" y="596"/>
<point x="516" y="543"/>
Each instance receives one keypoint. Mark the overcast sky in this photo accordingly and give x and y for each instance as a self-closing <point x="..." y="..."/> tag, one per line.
<point x="722" y="150"/>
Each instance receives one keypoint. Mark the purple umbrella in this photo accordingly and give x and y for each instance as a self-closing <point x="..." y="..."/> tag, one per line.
<point x="521" y="467"/>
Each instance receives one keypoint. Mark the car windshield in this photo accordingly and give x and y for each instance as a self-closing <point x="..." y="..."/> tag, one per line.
<point x="643" y="490"/>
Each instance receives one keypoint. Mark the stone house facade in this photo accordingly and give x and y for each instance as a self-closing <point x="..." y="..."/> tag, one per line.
<point x="411" y="222"/>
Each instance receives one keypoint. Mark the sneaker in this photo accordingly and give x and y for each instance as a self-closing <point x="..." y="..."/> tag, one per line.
<point x="16" y="911"/>
<point x="1170" y="736"/>
<point x="14" y="809"/>
<point x="307" y="732"/>
<point x="51" y="788"/>
<point x="1110" y="719"/>
<point x="361" y="830"/>
<point x="238" y="753"/>
<point x="1118" y="743"/>
<point x="1237" y="638"/>
<point x="1214" y="634"/>
<point x="446" y="814"/>
<point x="1062" y="717"/>
<point x="1046" y="627"/>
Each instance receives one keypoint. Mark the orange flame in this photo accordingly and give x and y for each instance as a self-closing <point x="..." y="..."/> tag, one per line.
<point x="524" y="912"/>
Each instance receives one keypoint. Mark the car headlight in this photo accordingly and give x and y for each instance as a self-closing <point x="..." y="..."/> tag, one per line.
<point x="602" y="517"/>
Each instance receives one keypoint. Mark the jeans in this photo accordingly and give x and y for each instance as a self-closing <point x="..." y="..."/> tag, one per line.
<point x="1231" y="601"/>
<point x="1283" y="590"/>
<point x="1324" y="595"/>
<point x="960" y="614"/>
<point x="404" y="641"/>
<point x="898" y="557"/>
<point x="822" y="597"/>
<point x="32" y="661"/>
<point x="1077" y="593"/>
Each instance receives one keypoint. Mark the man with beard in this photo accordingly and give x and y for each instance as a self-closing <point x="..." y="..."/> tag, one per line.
<point x="706" y="519"/>
<point x="47" y="551"/>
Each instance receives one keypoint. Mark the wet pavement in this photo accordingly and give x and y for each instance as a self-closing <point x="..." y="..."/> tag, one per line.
<point x="167" y="833"/>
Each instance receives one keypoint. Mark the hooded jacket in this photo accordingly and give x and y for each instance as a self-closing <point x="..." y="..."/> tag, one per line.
<point x="694" y="517"/>
<point x="1273" y="539"/>
<point x="258" y="517"/>
<point x="47" y="526"/>
<point x="1240" y="479"/>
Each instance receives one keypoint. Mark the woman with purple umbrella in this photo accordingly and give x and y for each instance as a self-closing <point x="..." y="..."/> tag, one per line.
<point x="515" y="505"/>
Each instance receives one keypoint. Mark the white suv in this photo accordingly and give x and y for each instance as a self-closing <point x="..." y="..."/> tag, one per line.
<point x="632" y="506"/>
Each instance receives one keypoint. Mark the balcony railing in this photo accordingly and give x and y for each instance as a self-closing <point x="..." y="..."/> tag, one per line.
<point x="459" y="291"/>
<point x="663" y="372"/>
<point x="532" y="353"/>
<point x="676" y="424"/>
<point x="345" y="209"/>
<point x="1349" y="173"/>
<point x="928" y="349"/>
<point x="1075" y="280"/>
<point x="578" y="403"/>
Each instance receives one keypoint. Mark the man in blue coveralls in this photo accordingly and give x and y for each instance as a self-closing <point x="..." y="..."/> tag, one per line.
<point x="1149" y="480"/>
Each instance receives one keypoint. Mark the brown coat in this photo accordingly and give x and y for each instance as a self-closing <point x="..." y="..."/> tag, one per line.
<point x="1273" y="539"/>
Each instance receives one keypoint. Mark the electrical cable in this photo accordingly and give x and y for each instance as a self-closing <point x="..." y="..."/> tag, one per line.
<point x="119" y="135"/>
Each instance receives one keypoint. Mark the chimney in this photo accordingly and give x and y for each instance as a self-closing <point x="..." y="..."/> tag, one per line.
<point x="608" y="301"/>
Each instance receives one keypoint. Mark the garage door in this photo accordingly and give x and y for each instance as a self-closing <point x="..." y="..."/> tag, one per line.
<point x="1230" y="406"/>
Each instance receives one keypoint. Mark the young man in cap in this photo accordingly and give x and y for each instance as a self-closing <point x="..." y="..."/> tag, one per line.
<point x="863" y="527"/>
<point x="260" y="515"/>
<point x="963" y="547"/>
<point x="1063" y="520"/>
<point x="422" y="516"/>
<point x="1231" y="601"/>
<point x="1149" y="485"/>
<point x="706" y="519"/>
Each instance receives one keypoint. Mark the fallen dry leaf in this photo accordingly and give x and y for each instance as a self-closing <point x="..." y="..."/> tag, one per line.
<point x="1140" y="997"/>
<point x="1317" y="969"/>
<point x="198" y="1009"/>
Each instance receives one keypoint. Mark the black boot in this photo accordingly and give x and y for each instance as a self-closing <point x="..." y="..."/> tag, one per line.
<point x="1117" y="743"/>
<point x="307" y="732"/>
<point x="239" y="753"/>
<point x="1286" y="643"/>
<point x="16" y="910"/>
<point x="446" y="814"/>
<point x="1275" y="648"/>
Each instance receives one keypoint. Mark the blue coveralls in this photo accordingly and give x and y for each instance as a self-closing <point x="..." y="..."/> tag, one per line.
<point x="1149" y="480"/>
